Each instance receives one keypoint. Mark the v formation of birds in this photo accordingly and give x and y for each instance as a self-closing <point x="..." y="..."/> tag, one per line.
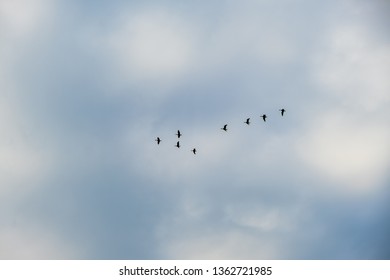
<point x="224" y="128"/>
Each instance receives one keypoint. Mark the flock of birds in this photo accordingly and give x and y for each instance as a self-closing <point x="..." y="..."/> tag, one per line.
<point x="224" y="128"/>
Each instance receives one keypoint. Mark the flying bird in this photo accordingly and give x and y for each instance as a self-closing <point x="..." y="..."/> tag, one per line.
<point x="247" y="121"/>
<point x="282" y="111"/>
<point x="194" y="151"/>
<point x="178" y="134"/>
<point x="224" y="127"/>
<point x="178" y="144"/>
<point x="264" y="117"/>
<point x="158" y="140"/>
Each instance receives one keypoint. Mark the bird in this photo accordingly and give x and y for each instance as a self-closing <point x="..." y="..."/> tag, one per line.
<point x="282" y="111"/>
<point x="194" y="151"/>
<point x="158" y="140"/>
<point x="224" y="127"/>
<point x="264" y="117"/>
<point x="247" y="121"/>
<point x="178" y="144"/>
<point x="178" y="134"/>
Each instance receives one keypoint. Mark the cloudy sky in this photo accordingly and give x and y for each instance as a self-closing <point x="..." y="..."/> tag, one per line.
<point x="86" y="87"/>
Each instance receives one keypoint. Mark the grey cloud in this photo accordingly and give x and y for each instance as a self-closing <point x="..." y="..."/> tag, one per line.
<point x="109" y="192"/>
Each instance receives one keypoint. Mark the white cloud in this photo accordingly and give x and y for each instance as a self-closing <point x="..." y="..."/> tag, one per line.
<point x="349" y="144"/>
<point x="33" y="242"/>
<point x="350" y="154"/>
<point x="354" y="65"/>
<point x="157" y="50"/>
<point x="20" y="17"/>
<point x="22" y="163"/>
<point x="152" y="48"/>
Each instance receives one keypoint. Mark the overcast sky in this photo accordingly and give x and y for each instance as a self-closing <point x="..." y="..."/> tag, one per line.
<point x="87" y="86"/>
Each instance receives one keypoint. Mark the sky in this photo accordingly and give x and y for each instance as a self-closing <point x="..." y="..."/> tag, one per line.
<point x="87" y="86"/>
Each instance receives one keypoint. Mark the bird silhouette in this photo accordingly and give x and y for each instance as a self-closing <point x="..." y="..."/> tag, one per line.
<point x="247" y="121"/>
<point x="158" y="140"/>
<point x="264" y="117"/>
<point x="224" y="127"/>
<point x="178" y="134"/>
<point x="282" y="111"/>
<point x="178" y="144"/>
<point x="194" y="151"/>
